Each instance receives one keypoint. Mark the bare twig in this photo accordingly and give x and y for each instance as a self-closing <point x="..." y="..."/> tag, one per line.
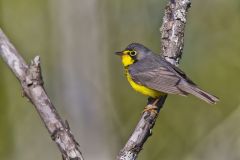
<point x="32" y="84"/>
<point x="172" y="40"/>
<point x="172" y="30"/>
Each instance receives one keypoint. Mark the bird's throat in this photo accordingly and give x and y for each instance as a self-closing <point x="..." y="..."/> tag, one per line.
<point x="127" y="60"/>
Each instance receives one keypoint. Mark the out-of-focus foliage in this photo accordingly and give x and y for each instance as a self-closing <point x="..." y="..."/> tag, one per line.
<point x="85" y="80"/>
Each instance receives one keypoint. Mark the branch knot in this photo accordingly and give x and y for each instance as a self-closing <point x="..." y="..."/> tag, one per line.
<point x="34" y="75"/>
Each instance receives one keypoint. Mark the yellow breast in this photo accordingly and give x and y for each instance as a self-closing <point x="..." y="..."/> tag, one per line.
<point x="142" y="89"/>
<point x="127" y="61"/>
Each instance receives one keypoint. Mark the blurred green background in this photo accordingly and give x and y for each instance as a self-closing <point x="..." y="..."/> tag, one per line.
<point x="76" y="41"/>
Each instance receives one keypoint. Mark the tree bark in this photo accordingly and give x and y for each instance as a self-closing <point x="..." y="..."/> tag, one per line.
<point x="30" y="78"/>
<point x="172" y="40"/>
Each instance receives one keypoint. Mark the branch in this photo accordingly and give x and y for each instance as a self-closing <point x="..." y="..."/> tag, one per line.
<point x="172" y="41"/>
<point x="32" y="84"/>
<point x="172" y="29"/>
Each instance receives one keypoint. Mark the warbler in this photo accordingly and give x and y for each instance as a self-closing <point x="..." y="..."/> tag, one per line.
<point x="153" y="76"/>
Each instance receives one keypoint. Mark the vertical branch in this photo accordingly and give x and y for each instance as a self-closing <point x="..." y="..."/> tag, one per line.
<point x="31" y="81"/>
<point x="172" y="30"/>
<point x="172" y="39"/>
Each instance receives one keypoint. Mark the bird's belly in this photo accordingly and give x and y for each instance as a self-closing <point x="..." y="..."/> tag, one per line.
<point x="142" y="89"/>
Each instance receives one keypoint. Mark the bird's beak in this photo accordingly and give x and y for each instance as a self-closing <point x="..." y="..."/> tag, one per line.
<point x="120" y="53"/>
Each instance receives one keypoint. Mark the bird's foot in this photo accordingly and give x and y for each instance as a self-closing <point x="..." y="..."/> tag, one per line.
<point x="151" y="108"/>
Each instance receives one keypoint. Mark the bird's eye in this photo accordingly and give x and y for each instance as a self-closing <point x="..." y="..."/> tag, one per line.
<point x="132" y="53"/>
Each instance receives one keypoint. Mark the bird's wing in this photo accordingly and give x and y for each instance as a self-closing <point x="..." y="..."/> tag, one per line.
<point x="179" y="72"/>
<point x="157" y="76"/>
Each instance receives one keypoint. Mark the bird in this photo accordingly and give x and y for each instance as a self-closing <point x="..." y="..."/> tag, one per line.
<point x="152" y="75"/>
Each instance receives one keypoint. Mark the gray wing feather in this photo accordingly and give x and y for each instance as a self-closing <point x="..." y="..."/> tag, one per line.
<point x="156" y="73"/>
<point x="156" y="76"/>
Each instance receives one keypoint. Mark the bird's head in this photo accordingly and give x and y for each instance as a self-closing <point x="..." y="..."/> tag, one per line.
<point x="132" y="53"/>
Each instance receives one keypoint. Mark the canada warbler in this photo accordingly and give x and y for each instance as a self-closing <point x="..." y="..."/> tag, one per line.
<point x="151" y="75"/>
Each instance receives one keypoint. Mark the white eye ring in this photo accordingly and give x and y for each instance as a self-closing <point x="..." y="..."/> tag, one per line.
<point x="132" y="53"/>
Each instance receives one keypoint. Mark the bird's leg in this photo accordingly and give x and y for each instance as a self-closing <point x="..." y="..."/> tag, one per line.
<point x="151" y="100"/>
<point x="151" y="106"/>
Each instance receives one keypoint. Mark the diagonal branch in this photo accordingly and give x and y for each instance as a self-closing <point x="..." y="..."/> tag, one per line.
<point x="172" y="41"/>
<point x="32" y="84"/>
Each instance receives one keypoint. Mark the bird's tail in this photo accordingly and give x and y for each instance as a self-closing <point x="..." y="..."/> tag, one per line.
<point x="207" y="97"/>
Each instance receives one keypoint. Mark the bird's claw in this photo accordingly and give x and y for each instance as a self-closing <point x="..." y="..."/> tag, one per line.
<point x="151" y="108"/>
